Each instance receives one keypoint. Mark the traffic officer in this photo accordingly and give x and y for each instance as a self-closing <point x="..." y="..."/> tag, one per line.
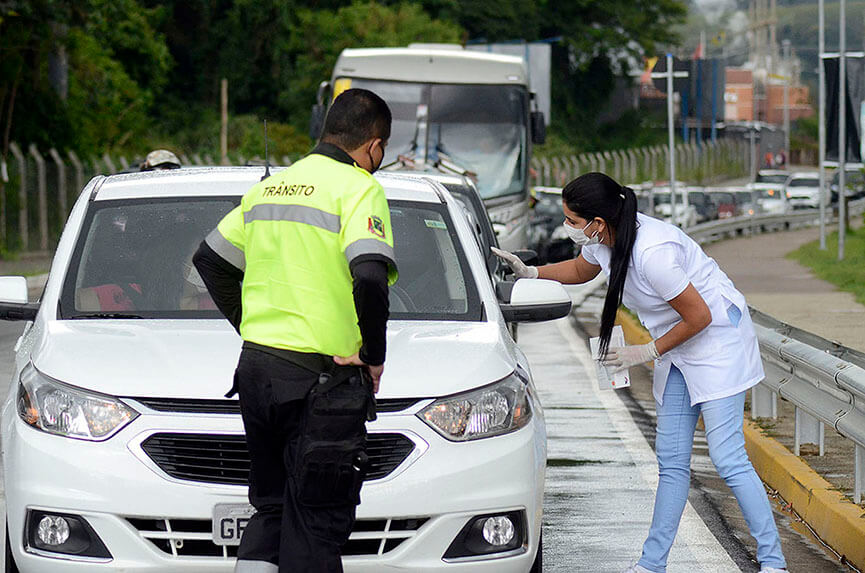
<point x="301" y="268"/>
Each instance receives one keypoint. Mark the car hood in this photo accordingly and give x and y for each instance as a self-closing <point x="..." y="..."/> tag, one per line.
<point x="196" y="359"/>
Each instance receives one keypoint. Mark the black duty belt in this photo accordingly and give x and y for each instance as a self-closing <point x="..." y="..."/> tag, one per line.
<point x="311" y="361"/>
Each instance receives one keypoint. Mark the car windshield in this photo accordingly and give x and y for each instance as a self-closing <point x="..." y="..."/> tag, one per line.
<point x="664" y="199"/>
<point x="772" y="194"/>
<point x="804" y="182"/>
<point x="722" y="198"/>
<point x="743" y="197"/>
<point x="850" y="177"/>
<point x="134" y="260"/>
<point x="775" y="178"/>
<point x="697" y="198"/>
<point x="480" y="129"/>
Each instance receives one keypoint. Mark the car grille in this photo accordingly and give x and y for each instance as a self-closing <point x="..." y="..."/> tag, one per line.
<point x="198" y="406"/>
<point x="224" y="459"/>
<point x="193" y="537"/>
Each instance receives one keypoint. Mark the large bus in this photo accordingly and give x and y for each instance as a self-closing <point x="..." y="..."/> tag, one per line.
<point x="454" y="111"/>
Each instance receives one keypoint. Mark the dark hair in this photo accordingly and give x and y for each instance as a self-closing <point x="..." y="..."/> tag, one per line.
<point x="355" y="117"/>
<point x="597" y="195"/>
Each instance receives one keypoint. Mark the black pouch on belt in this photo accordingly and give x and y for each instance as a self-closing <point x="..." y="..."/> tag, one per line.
<point x="331" y="461"/>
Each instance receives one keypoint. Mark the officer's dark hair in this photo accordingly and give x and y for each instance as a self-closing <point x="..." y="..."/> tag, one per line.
<point x="598" y="195"/>
<point x="356" y="116"/>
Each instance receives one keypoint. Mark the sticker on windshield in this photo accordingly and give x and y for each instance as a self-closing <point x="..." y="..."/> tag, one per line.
<point x="433" y="224"/>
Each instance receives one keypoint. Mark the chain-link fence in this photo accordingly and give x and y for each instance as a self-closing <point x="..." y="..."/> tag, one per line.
<point x="696" y="163"/>
<point x="38" y="189"/>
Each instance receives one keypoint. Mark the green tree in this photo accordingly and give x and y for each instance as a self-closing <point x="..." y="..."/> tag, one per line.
<point x="319" y="36"/>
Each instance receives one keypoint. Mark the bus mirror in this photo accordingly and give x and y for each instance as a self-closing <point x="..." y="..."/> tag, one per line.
<point x="316" y="120"/>
<point x="539" y="128"/>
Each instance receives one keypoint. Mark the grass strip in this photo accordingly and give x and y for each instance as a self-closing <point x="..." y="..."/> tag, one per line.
<point x="848" y="275"/>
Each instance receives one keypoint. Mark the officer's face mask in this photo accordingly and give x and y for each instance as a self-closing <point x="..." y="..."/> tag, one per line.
<point x="372" y="164"/>
<point x="579" y="237"/>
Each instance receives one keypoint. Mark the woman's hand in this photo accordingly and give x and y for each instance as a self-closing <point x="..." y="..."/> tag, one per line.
<point x="623" y="357"/>
<point x="521" y="269"/>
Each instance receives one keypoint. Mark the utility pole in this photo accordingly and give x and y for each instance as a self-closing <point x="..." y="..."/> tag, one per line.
<point x="671" y="136"/>
<point x="821" y="122"/>
<point x="842" y="128"/>
<point x="789" y="74"/>
<point x="671" y="132"/>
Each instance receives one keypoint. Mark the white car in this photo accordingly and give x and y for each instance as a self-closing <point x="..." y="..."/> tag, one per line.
<point x="686" y="214"/>
<point x="803" y="190"/>
<point x="769" y="191"/>
<point x="121" y="454"/>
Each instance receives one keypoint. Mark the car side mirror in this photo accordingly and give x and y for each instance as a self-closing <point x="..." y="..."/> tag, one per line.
<point x="13" y="300"/>
<point x="536" y="300"/>
<point x="539" y="127"/>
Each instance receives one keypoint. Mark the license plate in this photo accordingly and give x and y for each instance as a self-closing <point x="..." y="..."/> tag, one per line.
<point x="229" y="521"/>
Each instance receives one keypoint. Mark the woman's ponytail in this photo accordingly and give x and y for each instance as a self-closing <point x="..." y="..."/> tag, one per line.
<point x="598" y="195"/>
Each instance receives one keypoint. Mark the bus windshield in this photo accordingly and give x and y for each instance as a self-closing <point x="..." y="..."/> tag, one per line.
<point x="480" y="129"/>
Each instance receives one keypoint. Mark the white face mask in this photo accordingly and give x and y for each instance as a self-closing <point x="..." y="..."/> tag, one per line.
<point x="579" y="237"/>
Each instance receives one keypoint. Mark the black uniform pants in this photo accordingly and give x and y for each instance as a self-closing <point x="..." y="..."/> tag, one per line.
<point x="285" y="532"/>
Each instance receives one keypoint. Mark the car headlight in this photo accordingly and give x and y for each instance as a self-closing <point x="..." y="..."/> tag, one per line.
<point x="58" y="408"/>
<point x="493" y="410"/>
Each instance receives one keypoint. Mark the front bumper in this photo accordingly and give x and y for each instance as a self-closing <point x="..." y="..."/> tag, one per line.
<point x="150" y="521"/>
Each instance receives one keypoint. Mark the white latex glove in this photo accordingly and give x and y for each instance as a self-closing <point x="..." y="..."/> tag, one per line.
<point x="521" y="269"/>
<point x="623" y="357"/>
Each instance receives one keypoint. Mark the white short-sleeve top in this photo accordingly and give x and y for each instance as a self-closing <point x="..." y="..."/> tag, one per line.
<point x="721" y="360"/>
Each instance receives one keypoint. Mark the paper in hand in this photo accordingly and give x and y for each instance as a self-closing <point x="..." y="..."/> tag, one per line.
<point x="606" y="379"/>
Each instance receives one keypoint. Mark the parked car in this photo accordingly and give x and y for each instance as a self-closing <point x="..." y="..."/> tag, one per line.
<point x="686" y="214"/>
<point x="746" y="204"/>
<point x="769" y="191"/>
<point x="547" y="236"/>
<point x="854" y="182"/>
<point x="803" y="190"/>
<point x="707" y="209"/>
<point x="724" y="200"/>
<point x="120" y="452"/>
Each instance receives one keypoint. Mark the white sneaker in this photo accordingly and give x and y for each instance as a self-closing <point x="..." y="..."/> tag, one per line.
<point x="637" y="569"/>
<point x="772" y="570"/>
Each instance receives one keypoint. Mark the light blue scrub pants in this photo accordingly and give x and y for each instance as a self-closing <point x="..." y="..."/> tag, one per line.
<point x="723" y="418"/>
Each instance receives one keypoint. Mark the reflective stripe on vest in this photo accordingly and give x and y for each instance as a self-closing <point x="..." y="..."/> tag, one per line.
<point x="293" y="213"/>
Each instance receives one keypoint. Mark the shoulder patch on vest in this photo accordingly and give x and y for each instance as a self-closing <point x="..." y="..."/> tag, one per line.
<point x="376" y="226"/>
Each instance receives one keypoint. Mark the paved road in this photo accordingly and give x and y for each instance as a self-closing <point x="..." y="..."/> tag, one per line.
<point x="601" y="471"/>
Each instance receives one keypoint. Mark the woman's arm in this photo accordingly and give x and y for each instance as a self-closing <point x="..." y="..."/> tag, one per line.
<point x="695" y="315"/>
<point x="570" y="272"/>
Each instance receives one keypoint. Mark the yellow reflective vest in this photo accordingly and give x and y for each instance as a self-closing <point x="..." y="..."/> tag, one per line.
<point x="294" y="235"/>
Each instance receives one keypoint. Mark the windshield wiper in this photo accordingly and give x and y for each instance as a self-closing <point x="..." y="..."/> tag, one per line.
<point x="105" y="315"/>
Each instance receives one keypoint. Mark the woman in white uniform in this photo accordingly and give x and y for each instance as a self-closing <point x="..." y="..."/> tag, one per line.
<point x="704" y="347"/>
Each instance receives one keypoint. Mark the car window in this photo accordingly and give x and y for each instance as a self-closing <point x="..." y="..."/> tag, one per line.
<point x="770" y="194"/>
<point x="780" y="178"/>
<point x="804" y="182"/>
<point x="134" y="257"/>
<point x="722" y="198"/>
<point x="435" y="282"/>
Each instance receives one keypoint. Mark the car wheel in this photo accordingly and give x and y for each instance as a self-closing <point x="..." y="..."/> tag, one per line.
<point x="538" y="565"/>
<point x="10" y="560"/>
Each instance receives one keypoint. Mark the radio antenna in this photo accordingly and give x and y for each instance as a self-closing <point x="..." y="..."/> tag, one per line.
<point x="266" y="156"/>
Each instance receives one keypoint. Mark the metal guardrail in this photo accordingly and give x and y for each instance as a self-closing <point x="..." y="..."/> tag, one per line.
<point x="751" y="224"/>
<point x="824" y="380"/>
